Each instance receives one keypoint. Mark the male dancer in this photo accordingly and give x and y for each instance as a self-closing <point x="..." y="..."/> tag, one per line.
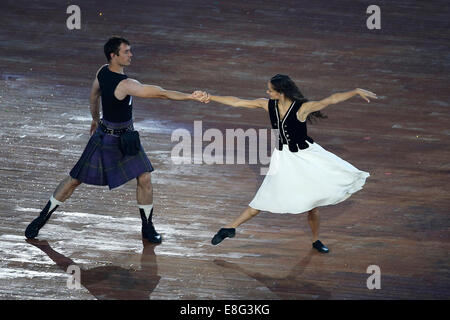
<point x="102" y="162"/>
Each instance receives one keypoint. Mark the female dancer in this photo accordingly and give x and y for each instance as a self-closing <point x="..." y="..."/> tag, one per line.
<point x="302" y="175"/>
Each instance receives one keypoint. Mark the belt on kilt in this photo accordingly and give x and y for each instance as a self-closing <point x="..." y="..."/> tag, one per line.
<point x="120" y="131"/>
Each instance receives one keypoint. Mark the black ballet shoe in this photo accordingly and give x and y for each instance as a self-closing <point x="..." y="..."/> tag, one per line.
<point x="148" y="230"/>
<point x="33" y="228"/>
<point x="319" y="246"/>
<point x="222" y="234"/>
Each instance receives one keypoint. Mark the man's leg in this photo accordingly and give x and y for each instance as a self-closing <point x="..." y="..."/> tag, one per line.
<point x="314" y="224"/>
<point x="65" y="188"/>
<point x="63" y="192"/>
<point x="144" y="197"/>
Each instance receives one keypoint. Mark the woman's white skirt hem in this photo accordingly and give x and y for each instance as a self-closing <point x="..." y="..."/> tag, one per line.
<point x="300" y="181"/>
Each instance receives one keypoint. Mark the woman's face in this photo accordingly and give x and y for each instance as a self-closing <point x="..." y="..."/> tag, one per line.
<point x="274" y="95"/>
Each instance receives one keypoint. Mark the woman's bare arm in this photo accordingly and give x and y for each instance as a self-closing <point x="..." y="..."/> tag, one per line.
<point x="312" y="106"/>
<point x="237" y="102"/>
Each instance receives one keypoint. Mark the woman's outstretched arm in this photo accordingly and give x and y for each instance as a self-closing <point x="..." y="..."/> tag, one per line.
<point x="237" y="102"/>
<point x="312" y="106"/>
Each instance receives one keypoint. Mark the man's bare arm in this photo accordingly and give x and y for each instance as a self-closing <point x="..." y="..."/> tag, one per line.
<point x="94" y="100"/>
<point x="135" y="88"/>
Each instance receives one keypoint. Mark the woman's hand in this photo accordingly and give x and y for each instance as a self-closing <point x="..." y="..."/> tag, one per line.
<point x="365" y="94"/>
<point x="201" y="96"/>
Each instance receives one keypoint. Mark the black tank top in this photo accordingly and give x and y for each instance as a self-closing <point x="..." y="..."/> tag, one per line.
<point x="114" y="110"/>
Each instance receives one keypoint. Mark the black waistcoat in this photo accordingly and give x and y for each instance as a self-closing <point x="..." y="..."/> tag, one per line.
<point x="114" y="110"/>
<point x="291" y="131"/>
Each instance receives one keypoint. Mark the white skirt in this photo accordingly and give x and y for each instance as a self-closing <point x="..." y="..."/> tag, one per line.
<point x="300" y="181"/>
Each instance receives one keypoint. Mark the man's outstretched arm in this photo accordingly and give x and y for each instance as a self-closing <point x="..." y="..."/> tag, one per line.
<point x="135" y="88"/>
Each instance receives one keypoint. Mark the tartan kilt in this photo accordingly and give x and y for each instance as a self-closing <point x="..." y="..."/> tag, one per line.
<point x="102" y="162"/>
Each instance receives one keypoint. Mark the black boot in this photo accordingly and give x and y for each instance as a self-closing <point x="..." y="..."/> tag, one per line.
<point x="34" y="227"/>
<point x="319" y="246"/>
<point x="148" y="230"/>
<point x="222" y="234"/>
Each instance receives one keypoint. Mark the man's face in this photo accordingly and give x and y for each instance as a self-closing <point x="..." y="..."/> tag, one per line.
<point x="124" y="57"/>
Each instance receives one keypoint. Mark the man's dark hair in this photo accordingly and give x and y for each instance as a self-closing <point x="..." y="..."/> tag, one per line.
<point x="113" y="45"/>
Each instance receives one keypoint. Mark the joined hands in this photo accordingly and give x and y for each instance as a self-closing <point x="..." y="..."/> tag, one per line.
<point x="201" y="96"/>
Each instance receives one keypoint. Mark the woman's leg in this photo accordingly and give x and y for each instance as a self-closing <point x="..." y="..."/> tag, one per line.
<point x="246" y="215"/>
<point x="314" y="223"/>
<point x="229" y="230"/>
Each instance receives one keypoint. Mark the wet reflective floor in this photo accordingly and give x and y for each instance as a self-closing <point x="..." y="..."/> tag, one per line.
<point x="398" y="222"/>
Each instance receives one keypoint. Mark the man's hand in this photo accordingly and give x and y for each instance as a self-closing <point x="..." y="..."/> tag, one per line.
<point x="201" y="96"/>
<point x="94" y="126"/>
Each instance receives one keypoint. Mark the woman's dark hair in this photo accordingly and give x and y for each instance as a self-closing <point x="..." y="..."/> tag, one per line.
<point x="283" y="84"/>
<point x="113" y="46"/>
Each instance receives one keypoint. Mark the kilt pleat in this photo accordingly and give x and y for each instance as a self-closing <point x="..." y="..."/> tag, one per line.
<point x="102" y="162"/>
